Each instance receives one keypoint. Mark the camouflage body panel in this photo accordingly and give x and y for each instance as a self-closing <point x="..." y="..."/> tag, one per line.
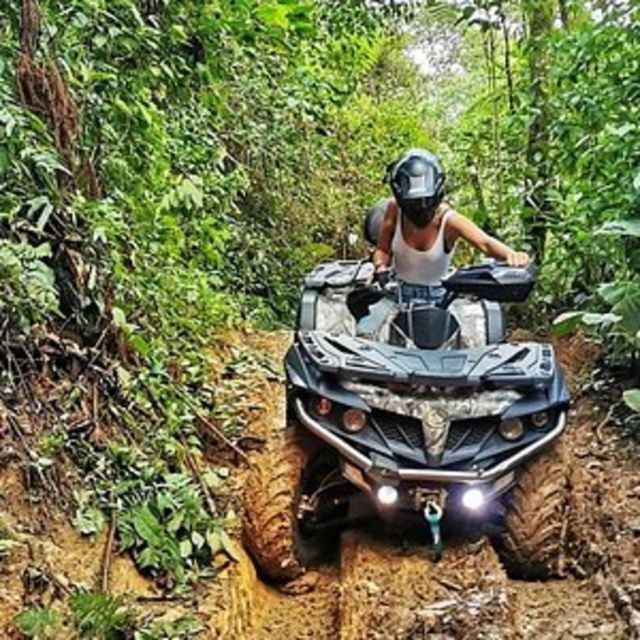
<point x="333" y="316"/>
<point x="472" y="320"/>
<point x="436" y="411"/>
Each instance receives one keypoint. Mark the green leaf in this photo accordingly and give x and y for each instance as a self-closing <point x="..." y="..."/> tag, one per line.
<point x="228" y="546"/>
<point x="5" y="160"/>
<point x="89" y="520"/>
<point x="632" y="399"/>
<point x="42" y="204"/>
<point x="140" y="344"/>
<point x="630" y="227"/>
<point x="175" y="522"/>
<point x="567" y="322"/>
<point x="594" y="319"/>
<point x="42" y="250"/>
<point x="186" y="549"/>
<point x="213" y="540"/>
<point x="148" y="527"/>
<point x="611" y="292"/>
<point x="191" y="190"/>
<point x="197" y="539"/>
<point x="274" y="14"/>
<point x="118" y="317"/>
<point x="40" y="623"/>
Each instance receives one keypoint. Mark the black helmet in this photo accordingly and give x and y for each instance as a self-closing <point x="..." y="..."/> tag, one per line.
<point x="417" y="181"/>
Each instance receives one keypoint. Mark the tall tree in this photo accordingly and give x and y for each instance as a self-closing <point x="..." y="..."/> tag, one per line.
<point x="539" y="16"/>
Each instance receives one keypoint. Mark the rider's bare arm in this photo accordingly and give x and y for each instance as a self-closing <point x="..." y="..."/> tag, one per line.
<point x="460" y="227"/>
<point x="382" y="254"/>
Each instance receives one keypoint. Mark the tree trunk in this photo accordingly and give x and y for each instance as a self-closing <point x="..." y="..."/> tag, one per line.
<point x="538" y="207"/>
<point x="483" y="213"/>
<point x="507" y="62"/>
<point x="564" y="14"/>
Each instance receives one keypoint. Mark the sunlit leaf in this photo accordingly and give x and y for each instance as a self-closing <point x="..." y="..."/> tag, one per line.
<point x="119" y="318"/>
<point x="566" y="322"/>
<point x="274" y="14"/>
<point x="629" y="227"/>
<point x="632" y="399"/>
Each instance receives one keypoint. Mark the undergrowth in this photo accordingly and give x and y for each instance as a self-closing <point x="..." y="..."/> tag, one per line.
<point x="96" y="616"/>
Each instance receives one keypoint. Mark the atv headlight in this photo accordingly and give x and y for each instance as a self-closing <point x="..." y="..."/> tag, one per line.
<point x="354" y="420"/>
<point x="387" y="495"/>
<point x="540" y="420"/>
<point x="323" y="406"/>
<point x="473" y="499"/>
<point x="511" y="429"/>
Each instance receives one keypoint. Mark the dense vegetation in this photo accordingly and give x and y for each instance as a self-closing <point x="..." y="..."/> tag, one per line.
<point x="168" y="169"/>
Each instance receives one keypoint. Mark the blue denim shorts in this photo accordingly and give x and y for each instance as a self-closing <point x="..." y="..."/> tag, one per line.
<point x="424" y="293"/>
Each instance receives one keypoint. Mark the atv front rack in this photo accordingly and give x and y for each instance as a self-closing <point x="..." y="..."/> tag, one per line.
<point x="526" y="364"/>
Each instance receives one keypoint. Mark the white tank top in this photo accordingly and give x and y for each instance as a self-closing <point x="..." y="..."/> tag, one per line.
<point x="426" y="268"/>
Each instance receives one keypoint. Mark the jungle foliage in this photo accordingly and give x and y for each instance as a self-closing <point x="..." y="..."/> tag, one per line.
<point x="166" y="170"/>
<point x="547" y="146"/>
<point x="169" y="169"/>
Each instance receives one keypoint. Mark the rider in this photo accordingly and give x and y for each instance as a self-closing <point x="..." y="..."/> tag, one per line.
<point x="419" y="230"/>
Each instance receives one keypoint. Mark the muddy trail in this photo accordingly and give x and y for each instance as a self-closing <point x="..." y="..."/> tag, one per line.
<point x="380" y="585"/>
<point x="384" y="586"/>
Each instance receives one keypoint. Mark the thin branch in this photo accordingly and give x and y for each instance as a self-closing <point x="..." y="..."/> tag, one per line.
<point x="195" y="470"/>
<point x="507" y="62"/>
<point x="108" y="553"/>
<point x="213" y="429"/>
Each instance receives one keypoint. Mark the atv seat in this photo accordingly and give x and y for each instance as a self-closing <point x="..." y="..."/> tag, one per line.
<point x="427" y="326"/>
<point x="373" y="220"/>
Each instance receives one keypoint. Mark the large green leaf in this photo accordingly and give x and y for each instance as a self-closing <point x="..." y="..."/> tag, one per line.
<point x="629" y="227"/>
<point x="632" y="399"/>
<point x="566" y="322"/>
<point x="274" y="14"/>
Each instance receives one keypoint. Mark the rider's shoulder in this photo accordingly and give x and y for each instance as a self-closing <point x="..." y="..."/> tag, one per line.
<point x="392" y="210"/>
<point x="444" y="207"/>
<point x="452" y="215"/>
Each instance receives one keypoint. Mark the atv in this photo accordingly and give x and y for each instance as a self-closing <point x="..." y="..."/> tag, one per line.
<point x="431" y="415"/>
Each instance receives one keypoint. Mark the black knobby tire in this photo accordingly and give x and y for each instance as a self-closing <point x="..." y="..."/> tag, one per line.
<point x="534" y="540"/>
<point x="270" y="531"/>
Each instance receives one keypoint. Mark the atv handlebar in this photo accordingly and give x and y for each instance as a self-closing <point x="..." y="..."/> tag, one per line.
<point x="493" y="280"/>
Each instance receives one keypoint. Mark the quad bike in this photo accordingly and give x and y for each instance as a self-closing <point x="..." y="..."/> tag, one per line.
<point x="433" y="415"/>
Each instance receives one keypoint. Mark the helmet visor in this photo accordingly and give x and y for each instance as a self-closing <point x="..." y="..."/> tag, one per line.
<point x="422" y="181"/>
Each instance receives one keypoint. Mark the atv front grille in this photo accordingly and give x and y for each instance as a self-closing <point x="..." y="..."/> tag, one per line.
<point x="397" y="429"/>
<point x="406" y="432"/>
<point x="468" y="433"/>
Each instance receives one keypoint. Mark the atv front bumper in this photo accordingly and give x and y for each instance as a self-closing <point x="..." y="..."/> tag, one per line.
<point x="373" y="470"/>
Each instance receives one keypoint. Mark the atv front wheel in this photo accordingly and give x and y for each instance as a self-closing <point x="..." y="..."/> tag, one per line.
<point x="270" y="529"/>
<point x="534" y="539"/>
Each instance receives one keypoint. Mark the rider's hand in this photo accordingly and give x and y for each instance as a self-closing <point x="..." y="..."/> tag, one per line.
<point x="518" y="258"/>
<point x="381" y="276"/>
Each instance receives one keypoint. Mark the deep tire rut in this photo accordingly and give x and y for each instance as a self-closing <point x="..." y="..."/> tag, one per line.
<point x="384" y="588"/>
<point x="390" y="593"/>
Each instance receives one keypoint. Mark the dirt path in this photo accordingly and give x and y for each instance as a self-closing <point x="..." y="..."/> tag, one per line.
<point x="563" y="609"/>
<point x="388" y="592"/>
<point x="380" y="587"/>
